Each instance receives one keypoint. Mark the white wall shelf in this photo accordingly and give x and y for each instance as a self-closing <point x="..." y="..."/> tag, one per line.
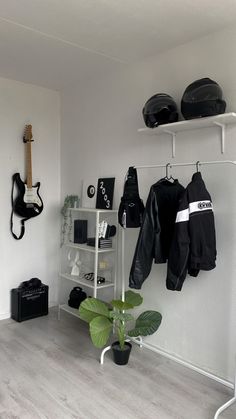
<point x="219" y="121"/>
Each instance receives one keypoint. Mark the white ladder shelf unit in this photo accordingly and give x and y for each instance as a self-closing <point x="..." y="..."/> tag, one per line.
<point x="96" y="252"/>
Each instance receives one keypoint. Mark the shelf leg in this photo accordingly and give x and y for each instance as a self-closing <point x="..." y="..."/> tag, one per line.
<point x="103" y="353"/>
<point x="222" y="127"/>
<point x="173" y="134"/>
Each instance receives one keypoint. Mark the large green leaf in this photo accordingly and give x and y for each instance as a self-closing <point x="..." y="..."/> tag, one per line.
<point x="123" y="317"/>
<point x="121" y="305"/>
<point x="86" y="315"/>
<point x="133" y="298"/>
<point x="100" y="328"/>
<point x="91" y="308"/>
<point x="146" y="324"/>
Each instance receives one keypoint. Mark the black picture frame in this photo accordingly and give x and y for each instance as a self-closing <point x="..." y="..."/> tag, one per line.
<point x="105" y="192"/>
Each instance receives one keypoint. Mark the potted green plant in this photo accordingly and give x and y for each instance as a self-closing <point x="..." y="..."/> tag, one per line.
<point x="105" y="318"/>
<point x="70" y="201"/>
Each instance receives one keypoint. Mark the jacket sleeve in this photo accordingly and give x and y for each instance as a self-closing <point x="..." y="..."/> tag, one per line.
<point x="179" y="252"/>
<point x="144" y="252"/>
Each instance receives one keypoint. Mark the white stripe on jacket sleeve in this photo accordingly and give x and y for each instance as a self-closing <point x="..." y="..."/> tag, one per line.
<point x="197" y="206"/>
<point x="182" y="216"/>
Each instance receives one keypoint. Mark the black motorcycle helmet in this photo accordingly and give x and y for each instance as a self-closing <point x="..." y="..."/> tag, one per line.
<point x="160" y="109"/>
<point x="202" y="98"/>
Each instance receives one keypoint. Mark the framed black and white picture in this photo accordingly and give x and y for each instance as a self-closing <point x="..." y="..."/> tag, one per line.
<point x="89" y="193"/>
<point x="105" y="192"/>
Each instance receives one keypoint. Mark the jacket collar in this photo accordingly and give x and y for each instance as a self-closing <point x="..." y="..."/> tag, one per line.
<point x="196" y="176"/>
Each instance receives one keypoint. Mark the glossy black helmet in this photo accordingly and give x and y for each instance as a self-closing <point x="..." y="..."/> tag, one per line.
<point x="202" y="98"/>
<point x="160" y="109"/>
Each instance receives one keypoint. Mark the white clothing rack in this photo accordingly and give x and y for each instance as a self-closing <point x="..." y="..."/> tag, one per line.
<point x="197" y="164"/>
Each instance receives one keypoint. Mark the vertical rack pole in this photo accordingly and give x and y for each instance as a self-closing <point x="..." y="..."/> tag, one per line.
<point x="114" y="275"/>
<point x="122" y="283"/>
<point x="96" y="255"/>
<point x="123" y="264"/>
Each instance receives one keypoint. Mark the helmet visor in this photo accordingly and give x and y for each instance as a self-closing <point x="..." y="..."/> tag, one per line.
<point x="158" y="103"/>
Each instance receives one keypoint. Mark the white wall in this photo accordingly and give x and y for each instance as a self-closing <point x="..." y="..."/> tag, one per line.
<point x="36" y="254"/>
<point x="99" y="138"/>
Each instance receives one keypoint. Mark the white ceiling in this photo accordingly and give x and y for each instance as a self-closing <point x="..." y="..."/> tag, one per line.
<point x="56" y="42"/>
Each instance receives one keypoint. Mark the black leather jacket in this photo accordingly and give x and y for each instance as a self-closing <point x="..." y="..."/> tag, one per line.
<point x="157" y="229"/>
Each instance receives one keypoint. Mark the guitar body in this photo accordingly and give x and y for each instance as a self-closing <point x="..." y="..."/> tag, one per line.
<point x="28" y="202"/>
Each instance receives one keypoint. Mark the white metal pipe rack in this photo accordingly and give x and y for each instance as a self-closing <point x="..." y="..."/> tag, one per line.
<point x="197" y="164"/>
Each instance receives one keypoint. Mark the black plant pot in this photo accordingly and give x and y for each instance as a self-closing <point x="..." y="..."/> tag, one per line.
<point x="121" y="357"/>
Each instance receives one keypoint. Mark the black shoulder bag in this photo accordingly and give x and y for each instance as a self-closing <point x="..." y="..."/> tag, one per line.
<point x="130" y="213"/>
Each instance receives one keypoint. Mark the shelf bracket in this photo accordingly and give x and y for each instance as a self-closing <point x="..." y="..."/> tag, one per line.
<point x="222" y="127"/>
<point x="173" y="134"/>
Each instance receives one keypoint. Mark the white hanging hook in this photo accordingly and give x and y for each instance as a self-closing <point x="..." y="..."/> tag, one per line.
<point x="167" y="170"/>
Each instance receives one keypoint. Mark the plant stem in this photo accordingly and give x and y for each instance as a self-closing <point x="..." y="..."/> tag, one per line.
<point x="121" y="334"/>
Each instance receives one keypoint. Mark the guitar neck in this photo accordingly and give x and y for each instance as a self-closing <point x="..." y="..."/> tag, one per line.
<point x="28" y="165"/>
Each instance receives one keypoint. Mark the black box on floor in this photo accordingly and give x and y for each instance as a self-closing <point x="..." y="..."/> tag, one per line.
<point x="29" y="303"/>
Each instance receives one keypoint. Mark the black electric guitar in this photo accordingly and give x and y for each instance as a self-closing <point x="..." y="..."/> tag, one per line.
<point x="28" y="202"/>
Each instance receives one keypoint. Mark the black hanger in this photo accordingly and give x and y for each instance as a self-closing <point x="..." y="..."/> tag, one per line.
<point x="197" y="165"/>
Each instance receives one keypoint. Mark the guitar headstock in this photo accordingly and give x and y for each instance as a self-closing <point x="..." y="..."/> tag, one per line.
<point x="27" y="136"/>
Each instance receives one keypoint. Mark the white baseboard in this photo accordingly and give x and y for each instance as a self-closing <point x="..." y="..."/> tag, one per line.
<point x="4" y="316"/>
<point x="158" y="350"/>
<point x="53" y="304"/>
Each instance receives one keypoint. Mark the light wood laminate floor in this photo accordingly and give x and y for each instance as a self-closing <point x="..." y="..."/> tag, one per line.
<point x="49" y="369"/>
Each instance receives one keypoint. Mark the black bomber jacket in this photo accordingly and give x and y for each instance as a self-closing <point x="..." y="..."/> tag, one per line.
<point x="193" y="246"/>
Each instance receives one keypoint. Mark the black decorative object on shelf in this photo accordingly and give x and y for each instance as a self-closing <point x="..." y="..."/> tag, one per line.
<point x="80" y="231"/>
<point x="102" y="243"/>
<point x="77" y="295"/>
<point x="90" y="277"/>
<point x="89" y="192"/>
<point x="105" y="191"/>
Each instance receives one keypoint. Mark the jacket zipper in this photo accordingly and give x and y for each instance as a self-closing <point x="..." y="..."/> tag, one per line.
<point x="124" y="219"/>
